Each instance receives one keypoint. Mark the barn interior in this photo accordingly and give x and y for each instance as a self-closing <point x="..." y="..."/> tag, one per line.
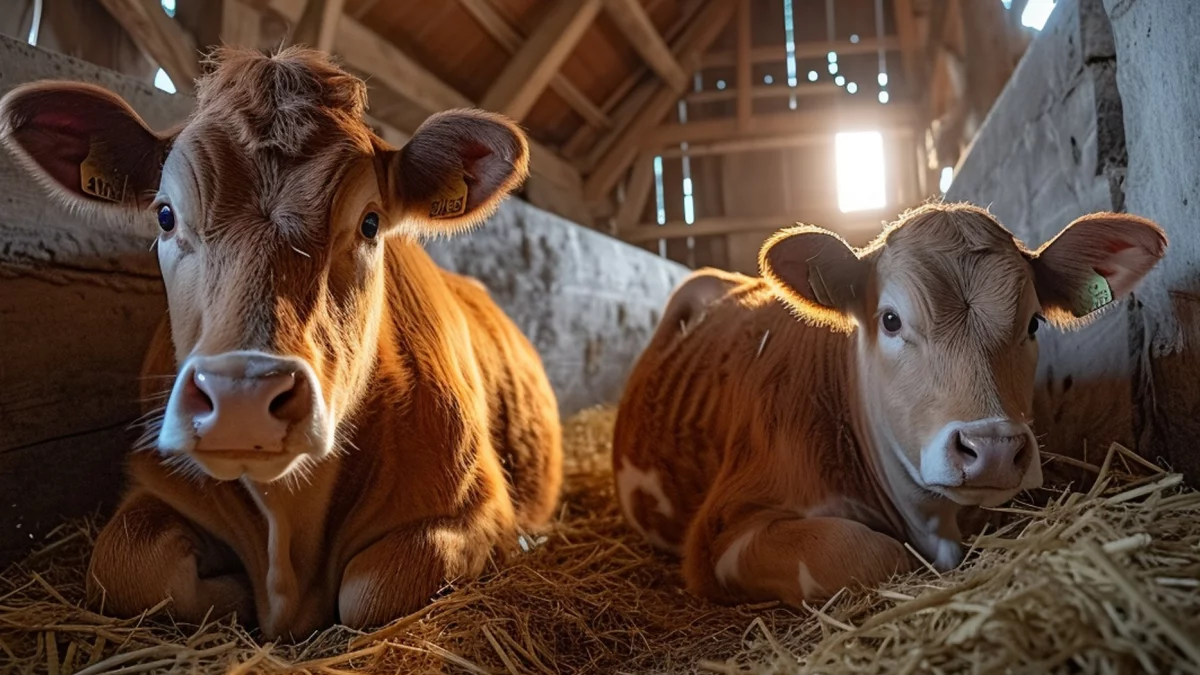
<point x="666" y="136"/>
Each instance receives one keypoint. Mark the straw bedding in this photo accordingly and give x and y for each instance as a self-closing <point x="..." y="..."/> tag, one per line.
<point x="1102" y="581"/>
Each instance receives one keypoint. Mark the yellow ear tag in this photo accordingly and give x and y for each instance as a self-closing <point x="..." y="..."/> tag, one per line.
<point x="95" y="179"/>
<point x="451" y="200"/>
<point x="1096" y="294"/>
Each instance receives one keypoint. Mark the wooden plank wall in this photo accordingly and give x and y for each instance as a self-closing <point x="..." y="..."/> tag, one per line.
<point x="77" y="305"/>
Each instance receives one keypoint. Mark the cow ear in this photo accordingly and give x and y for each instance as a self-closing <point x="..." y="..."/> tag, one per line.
<point x="817" y="273"/>
<point x="457" y="168"/>
<point x="85" y="143"/>
<point x="1095" y="261"/>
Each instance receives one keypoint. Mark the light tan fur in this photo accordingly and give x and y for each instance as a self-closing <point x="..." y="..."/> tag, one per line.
<point x="770" y="432"/>
<point x="447" y="440"/>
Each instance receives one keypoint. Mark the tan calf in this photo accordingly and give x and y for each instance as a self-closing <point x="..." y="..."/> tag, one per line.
<point x="787" y="435"/>
<point x="337" y="427"/>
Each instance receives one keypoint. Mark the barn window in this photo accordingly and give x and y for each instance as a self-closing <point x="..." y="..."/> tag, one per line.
<point x="860" y="171"/>
<point x="946" y="179"/>
<point x="659" y="198"/>
<point x="1036" y="13"/>
<point x="169" y="7"/>
<point x="163" y="81"/>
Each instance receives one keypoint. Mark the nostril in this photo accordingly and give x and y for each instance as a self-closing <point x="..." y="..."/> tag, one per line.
<point x="293" y="404"/>
<point x="282" y="400"/>
<point x="965" y="449"/>
<point x="1022" y="454"/>
<point x="197" y="399"/>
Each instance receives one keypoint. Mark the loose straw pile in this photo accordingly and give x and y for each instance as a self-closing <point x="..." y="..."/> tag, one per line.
<point x="1106" y="581"/>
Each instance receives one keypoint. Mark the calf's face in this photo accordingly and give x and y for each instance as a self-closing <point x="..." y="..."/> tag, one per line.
<point x="272" y="207"/>
<point x="947" y="307"/>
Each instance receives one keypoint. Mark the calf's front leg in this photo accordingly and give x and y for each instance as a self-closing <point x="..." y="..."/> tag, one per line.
<point x="149" y="552"/>
<point x="401" y="572"/>
<point x="791" y="559"/>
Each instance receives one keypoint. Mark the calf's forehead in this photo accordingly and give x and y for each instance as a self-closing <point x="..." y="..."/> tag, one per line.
<point x="232" y="185"/>
<point x="964" y="276"/>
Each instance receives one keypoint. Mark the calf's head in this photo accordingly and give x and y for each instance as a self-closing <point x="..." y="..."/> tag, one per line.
<point x="271" y="207"/>
<point x="947" y="306"/>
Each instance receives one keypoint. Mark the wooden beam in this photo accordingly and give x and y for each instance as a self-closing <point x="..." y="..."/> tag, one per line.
<point x="804" y="50"/>
<point x="700" y="34"/>
<point x="537" y="62"/>
<point x="160" y="38"/>
<point x="586" y="136"/>
<point x="858" y="222"/>
<point x="511" y="40"/>
<point x="910" y="42"/>
<point x="317" y="27"/>
<point x="221" y="22"/>
<point x="817" y="122"/>
<point x="765" y="91"/>
<point x="745" y="102"/>
<point x="756" y="143"/>
<point x="241" y="26"/>
<point x="635" y="23"/>
<point x="641" y="184"/>
<point x="364" y="50"/>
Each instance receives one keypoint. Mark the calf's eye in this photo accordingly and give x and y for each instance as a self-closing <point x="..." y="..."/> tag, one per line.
<point x="1033" y="324"/>
<point x="370" y="225"/>
<point x="166" y="218"/>
<point x="890" y="322"/>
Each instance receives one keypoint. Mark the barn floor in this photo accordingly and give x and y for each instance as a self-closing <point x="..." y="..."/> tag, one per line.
<point x="1106" y="581"/>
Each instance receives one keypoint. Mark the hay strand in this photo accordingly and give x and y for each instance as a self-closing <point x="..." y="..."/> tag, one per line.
<point x="1102" y="580"/>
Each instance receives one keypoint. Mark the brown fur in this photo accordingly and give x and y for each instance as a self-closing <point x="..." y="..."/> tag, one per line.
<point x="751" y="425"/>
<point x="448" y="439"/>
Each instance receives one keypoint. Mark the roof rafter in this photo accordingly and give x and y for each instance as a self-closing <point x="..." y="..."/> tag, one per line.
<point x="510" y="39"/>
<point x="536" y="63"/>
<point x="633" y="20"/>
<point x="707" y="25"/>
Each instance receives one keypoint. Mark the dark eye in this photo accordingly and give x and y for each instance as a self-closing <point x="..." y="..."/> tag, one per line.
<point x="1034" y="323"/>
<point x="370" y="225"/>
<point x="890" y="322"/>
<point x="166" y="218"/>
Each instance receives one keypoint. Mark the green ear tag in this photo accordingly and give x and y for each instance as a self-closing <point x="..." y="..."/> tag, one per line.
<point x="1096" y="294"/>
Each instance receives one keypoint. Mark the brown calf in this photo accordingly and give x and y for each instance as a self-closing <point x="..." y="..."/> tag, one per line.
<point x="787" y="435"/>
<point x="345" y="427"/>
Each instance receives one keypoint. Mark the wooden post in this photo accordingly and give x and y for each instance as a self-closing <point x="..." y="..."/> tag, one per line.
<point x="745" y="100"/>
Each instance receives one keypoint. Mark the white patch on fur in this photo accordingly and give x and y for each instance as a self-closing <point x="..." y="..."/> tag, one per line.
<point x="728" y="564"/>
<point x="631" y="478"/>
<point x="949" y="555"/>
<point x="809" y="585"/>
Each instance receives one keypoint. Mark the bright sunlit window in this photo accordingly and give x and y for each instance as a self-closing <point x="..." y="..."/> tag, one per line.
<point x="163" y="81"/>
<point x="947" y="178"/>
<point x="169" y="7"/>
<point x="1036" y="13"/>
<point x="860" y="171"/>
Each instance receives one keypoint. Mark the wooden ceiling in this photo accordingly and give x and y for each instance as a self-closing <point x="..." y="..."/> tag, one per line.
<point x="596" y="82"/>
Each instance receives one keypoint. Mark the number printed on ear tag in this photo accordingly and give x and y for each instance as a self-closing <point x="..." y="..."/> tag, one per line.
<point x="451" y="199"/>
<point x="95" y="180"/>
<point x="1094" y="295"/>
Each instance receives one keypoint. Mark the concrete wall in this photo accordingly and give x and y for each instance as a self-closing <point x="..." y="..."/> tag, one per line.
<point x="77" y="306"/>
<point x="1102" y="114"/>
<point x="1158" y="62"/>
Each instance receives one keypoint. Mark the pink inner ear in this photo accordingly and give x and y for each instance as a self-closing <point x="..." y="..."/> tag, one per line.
<point x="59" y="149"/>
<point x="1125" y="267"/>
<point x="64" y="123"/>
